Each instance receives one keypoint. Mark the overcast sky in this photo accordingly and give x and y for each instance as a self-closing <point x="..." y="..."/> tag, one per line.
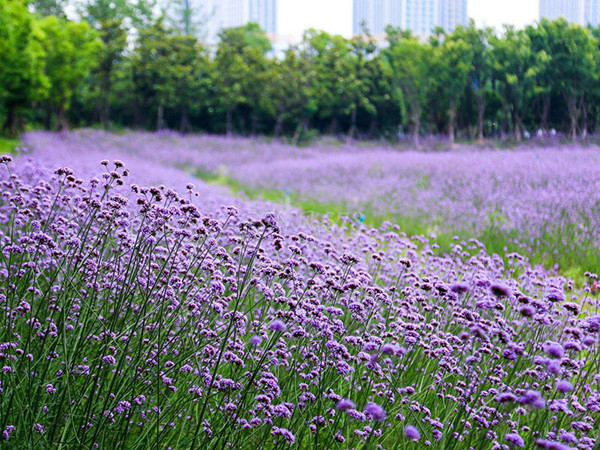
<point x="335" y="16"/>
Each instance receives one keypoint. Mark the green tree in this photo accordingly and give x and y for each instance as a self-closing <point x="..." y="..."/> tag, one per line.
<point x="363" y="49"/>
<point x="288" y="95"/>
<point x="170" y="71"/>
<point x="409" y="63"/>
<point x="515" y="71"/>
<point x="452" y="63"/>
<point x="240" y="64"/>
<point x="22" y="78"/>
<point x="71" y="50"/>
<point x="49" y="7"/>
<point x="480" y="75"/>
<point x="335" y="84"/>
<point x="571" y="65"/>
<point x="113" y="19"/>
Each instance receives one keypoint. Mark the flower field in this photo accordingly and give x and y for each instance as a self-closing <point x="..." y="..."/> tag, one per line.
<point x="144" y="308"/>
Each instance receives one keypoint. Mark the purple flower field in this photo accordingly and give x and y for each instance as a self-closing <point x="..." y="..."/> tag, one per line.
<point x="143" y="308"/>
<point x="542" y="202"/>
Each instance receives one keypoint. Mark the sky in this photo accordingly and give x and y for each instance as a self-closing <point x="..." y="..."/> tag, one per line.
<point x="335" y="16"/>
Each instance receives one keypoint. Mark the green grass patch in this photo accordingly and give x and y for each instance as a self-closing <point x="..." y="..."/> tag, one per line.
<point x="547" y="251"/>
<point x="8" y="145"/>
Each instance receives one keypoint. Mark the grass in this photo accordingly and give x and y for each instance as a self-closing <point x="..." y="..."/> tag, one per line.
<point x="8" y="145"/>
<point x="547" y="252"/>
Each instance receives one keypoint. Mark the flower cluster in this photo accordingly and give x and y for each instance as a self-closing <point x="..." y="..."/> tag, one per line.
<point x="137" y="315"/>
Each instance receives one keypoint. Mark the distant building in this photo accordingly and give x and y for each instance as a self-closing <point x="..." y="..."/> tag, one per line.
<point x="219" y="14"/>
<point x="422" y="16"/>
<point x="376" y="15"/>
<point x="453" y="13"/>
<point x="592" y="12"/>
<point x="419" y="16"/>
<point x="581" y="12"/>
<point x="264" y="12"/>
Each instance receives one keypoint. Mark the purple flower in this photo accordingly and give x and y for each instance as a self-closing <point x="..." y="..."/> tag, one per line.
<point x="375" y="411"/>
<point x="388" y="349"/>
<point x="527" y="311"/>
<point x="564" y="386"/>
<point x="500" y="290"/>
<point x="550" y="445"/>
<point x="514" y="439"/>
<point x="345" y="404"/>
<point x="412" y="433"/>
<point x="460" y="287"/>
<point x="568" y="437"/>
<point x="255" y="340"/>
<point x="532" y="398"/>
<point x="109" y="360"/>
<point x="554" y="349"/>
<point x="278" y="326"/>
<point x="505" y="397"/>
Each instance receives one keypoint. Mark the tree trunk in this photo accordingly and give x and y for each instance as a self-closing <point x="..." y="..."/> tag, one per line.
<point x="480" y="114"/>
<point x="517" y="128"/>
<point x="302" y="125"/>
<point x="416" y="120"/>
<point x="160" y="118"/>
<point x="373" y="127"/>
<point x="48" y="118"/>
<point x="451" y="119"/>
<point x="545" y="112"/>
<point x="104" y="110"/>
<point x="184" y="126"/>
<point x="253" y="123"/>
<point x="352" y="130"/>
<point x="584" y="118"/>
<point x="278" y="125"/>
<point x="333" y="126"/>
<point x="12" y="122"/>
<point x="573" y="113"/>
<point x="62" y="119"/>
<point x="228" y="121"/>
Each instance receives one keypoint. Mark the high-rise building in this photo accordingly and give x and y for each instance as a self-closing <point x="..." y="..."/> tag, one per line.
<point x="264" y="12"/>
<point x="572" y="10"/>
<point x="419" y="16"/>
<point x="454" y="13"/>
<point x="581" y="12"/>
<point x="376" y="15"/>
<point x="592" y="12"/>
<point x="218" y="14"/>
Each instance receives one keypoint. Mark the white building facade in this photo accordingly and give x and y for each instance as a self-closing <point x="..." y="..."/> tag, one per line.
<point x="581" y="12"/>
<point x="219" y="14"/>
<point x="419" y="16"/>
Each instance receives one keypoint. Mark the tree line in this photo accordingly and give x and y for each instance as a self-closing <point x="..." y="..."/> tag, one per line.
<point x="121" y="65"/>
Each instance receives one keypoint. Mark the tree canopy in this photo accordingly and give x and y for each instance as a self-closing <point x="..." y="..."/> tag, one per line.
<point x="124" y="65"/>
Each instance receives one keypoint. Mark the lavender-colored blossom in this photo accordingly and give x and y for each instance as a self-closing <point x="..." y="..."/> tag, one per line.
<point x="514" y="439"/>
<point x="375" y="411"/>
<point x="564" y="386"/>
<point x="345" y="404"/>
<point x="412" y="433"/>
<point x="278" y="326"/>
<point x="500" y="290"/>
<point x="532" y="398"/>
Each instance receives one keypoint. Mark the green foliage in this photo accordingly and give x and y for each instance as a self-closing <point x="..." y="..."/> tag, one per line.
<point x="71" y="52"/>
<point x="409" y="62"/>
<point x="515" y="71"/>
<point x="8" y="145"/>
<point x="240" y="65"/>
<point x="22" y="78"/>
<point x="471" y="83"/>
<point x="170" y="71"/>
<point x="451" y="65"/>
